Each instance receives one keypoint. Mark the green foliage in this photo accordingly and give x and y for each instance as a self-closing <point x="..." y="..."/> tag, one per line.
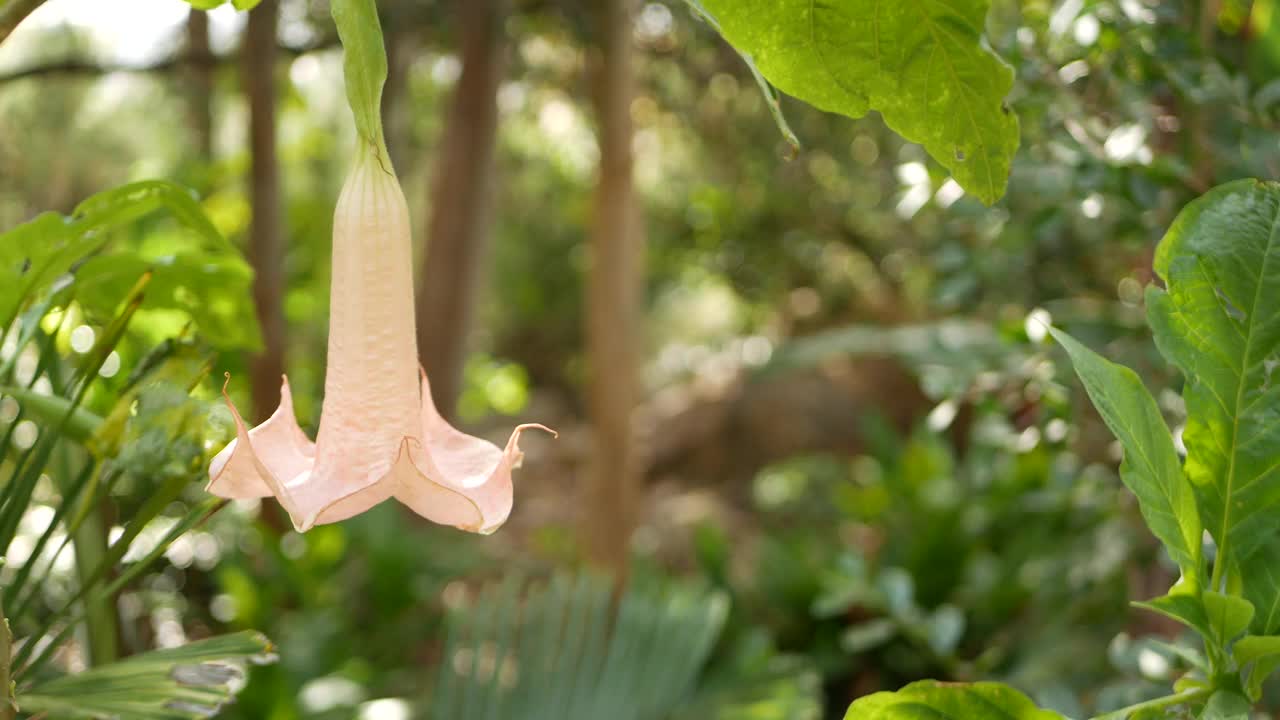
<point x="364" y="66"/>
<point x="563" y="651"/>
<point x="950" y="701"/>
<point x="40" y="252"/>
<point x="1151" y="468"/>
<point x="924" y="66"/>
<point x="192" y="681"/>
<point x="154" y="435"/>
<point x="1217" y="322"/>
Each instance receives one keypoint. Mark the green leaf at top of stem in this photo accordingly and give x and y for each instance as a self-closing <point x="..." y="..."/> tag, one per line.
<point x="954" y="701"/>
<point x="364" y="66"/>
<point x="1151" y="468"/>
<point x="923" y="65"/>
<point x="1217" y="320"/>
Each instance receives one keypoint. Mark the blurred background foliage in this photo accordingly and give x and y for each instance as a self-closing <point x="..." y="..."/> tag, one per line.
<point x="851" y="432"/>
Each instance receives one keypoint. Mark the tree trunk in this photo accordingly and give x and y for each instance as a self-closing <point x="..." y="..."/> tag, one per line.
<point x="614" y="289"/>
<point x="451" y="276"/>
<point x="200" y="82"/>
<point x="401" y="48"/>
<point x="266" y="242"/>
<point x="13" y="13"/>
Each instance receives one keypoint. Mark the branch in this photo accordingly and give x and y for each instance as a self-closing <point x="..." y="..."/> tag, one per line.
<point x="13" y="13"/>
<point x="76" y="67"/>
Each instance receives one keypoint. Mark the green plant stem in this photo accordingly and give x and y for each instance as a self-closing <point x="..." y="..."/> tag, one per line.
<point x="1157" y="704"/>
<point x="90" y="542"/>
<point x="1219" y="562"/>
<point x="8" y="706"/>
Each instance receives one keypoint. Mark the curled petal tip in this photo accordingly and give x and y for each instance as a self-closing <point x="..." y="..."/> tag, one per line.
<point x="535" y="426"/>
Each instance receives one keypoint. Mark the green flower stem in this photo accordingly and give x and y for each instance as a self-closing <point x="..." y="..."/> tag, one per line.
<point x="1157" y="704"/>
<point x="8" y="706"/>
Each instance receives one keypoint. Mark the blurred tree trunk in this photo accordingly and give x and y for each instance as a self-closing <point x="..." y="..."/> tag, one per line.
<point x="1203" y="167"/>
<point x="13" y="13"/>
<point x="401" y="47"/>
<point x="613" y="298"/>
<point x="200" y="83"/>
<point x="266" y="242"/>
<point x="460" y="204"/>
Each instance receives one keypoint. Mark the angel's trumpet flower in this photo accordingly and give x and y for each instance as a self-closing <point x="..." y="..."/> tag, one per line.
<point x="380" y="434"/>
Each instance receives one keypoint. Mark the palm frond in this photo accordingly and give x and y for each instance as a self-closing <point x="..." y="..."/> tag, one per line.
<point x="182" y="683"/>
<point x="566" y="651"/>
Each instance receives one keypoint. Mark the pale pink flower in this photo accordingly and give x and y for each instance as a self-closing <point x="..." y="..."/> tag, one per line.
<point x="380" y="434"/>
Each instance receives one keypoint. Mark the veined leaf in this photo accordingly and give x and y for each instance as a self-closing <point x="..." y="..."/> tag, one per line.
<point x="1261" y="586"/>
<point x="1218" y="322"/>
<point x="1261" y="650"/>
<point x="1184" y="608"/>
<point x="923" y="65"/>
<point x="214" y="289"/>
<point x="34" y="254"/>
<point x="949" y="701"/>
<point x="1226" y="705"/>
<point x="191" y="681"/>
<point x="1229" y="616"/>
<point x="766" y="90"/>
<point x="1151" y="468"/>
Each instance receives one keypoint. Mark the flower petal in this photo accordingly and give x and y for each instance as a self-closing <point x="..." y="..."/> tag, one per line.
<point x="260" y="461"/>
<point x="423" y="494"/>
<point x="469" y="465"/>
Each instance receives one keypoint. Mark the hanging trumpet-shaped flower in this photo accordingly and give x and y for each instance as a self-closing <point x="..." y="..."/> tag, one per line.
<point x="380" y="434"/>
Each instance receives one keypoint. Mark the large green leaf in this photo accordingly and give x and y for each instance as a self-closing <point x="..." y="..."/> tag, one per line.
<point x="191" y="681"/>
<point x="949" y="701"/>
<point x="1218" y="321"/>
<point x="1151" y="468"/>
<point x="922" y="64"/>
<point x="215" y="289"/>
<point x="35" y="254"/>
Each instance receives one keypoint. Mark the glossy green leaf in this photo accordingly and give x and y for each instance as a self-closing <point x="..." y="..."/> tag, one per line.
<point x="192" y="681"/>
<point x="35" y="254"/>
<point x="364" y="65"/>
<point x="129" y="203"/>
<point x="1226" y="705"/>
<point x="214" y="289"/>
<point x="766" y="90"/>
<point x="1228" y="615"/>
<point x="923" y="65"/>
<point x="1217" y="321"/>
<point x="1151" y="468"/>
<point x="1263" y="651"/>
<point x="949" y="701"/>
<point x="1260" y="580"/>
<point x="1184" y="608"/>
